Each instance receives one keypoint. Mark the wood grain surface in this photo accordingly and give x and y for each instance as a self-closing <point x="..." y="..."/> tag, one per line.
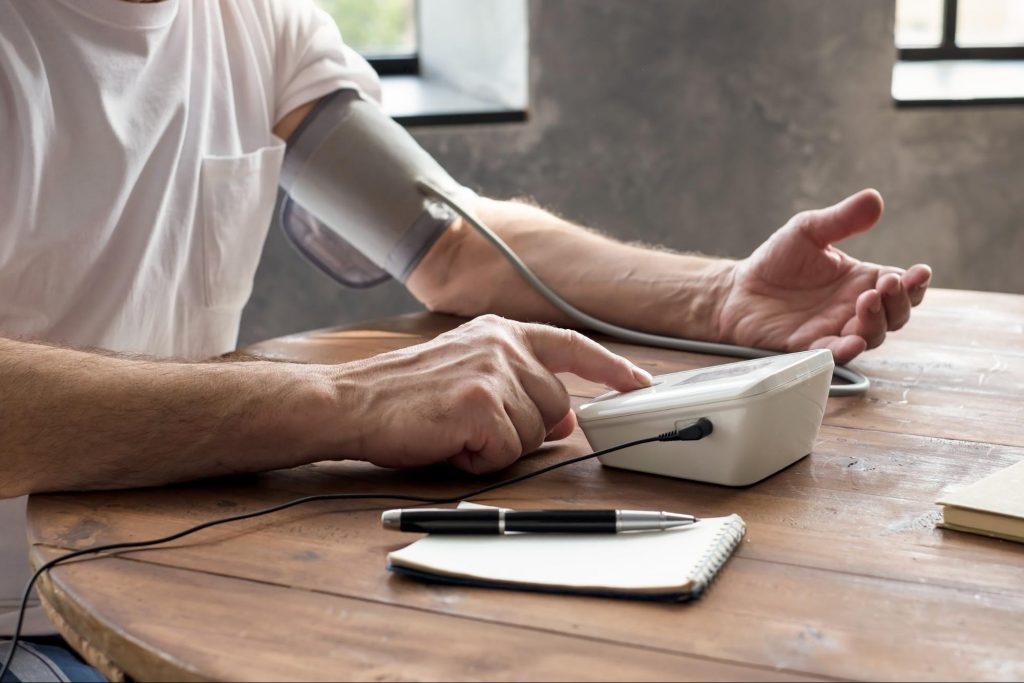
<point x="842" y="574"/>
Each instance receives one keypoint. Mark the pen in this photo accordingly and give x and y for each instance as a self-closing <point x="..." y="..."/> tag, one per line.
<point x="500" y="521"/>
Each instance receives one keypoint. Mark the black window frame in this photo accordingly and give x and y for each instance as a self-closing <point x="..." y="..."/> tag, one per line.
<point x="948" y="49"/>
<point x="395" y="65"/>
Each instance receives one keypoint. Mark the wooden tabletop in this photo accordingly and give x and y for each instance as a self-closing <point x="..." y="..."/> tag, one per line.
<point x="842" y="573"/>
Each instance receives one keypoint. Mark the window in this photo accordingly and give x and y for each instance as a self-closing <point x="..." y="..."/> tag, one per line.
<point x="960" y="29"/>
<point x="959" y="52"/>
<point x="442" y="61"/>
<point x="384" y="31"/>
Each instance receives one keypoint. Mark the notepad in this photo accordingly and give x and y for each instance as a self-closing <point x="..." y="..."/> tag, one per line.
<point x="993" y="506"/>
<point x="676" y="564"/>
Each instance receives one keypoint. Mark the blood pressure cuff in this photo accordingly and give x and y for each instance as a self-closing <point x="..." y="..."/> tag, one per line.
<point x="352" y="205"/>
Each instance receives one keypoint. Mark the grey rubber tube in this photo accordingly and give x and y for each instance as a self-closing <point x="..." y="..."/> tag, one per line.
<point x="858" y="383"/>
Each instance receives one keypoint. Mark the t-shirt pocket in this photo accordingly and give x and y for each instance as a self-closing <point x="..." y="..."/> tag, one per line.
<point x="237" y="198"/>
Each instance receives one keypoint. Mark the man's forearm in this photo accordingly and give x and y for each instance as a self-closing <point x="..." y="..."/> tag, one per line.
<point x="75" y="420"/>
<point x="647" y="289"/>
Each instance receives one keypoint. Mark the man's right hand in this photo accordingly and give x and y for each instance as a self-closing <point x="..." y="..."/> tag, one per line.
<point x="479" y="396"/>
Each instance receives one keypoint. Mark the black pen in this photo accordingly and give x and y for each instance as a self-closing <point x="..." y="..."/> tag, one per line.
<point x="500" y="521"/>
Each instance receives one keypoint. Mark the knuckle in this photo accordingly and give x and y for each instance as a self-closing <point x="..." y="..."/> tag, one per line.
<point x="562" y="394"/>
<point x="555" y="404"/>
<point x="508" y="345"/>
<point x="509" y="452"/>
<point x="483" y="327"/>
<point x="517" y="332"/>
<point x="573" y="340"/>
<point x="496" y="331"/>
<point x="518" y="355"/>
<point x="803" y="219"/>
<point x="559" y="395"/>
<point x="490" y="320"/>
<point x="899" y="322"/>
<point x="535" y="438"/>
<point x="487" y="364"/>
<point x="476" y="391"/>
<point x="502" y="448"/>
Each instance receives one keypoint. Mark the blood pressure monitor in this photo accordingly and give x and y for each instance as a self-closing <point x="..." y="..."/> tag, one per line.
<point x="766" y="414"/>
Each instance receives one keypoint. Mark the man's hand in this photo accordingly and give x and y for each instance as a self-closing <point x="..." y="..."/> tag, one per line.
<point x="797" y="291"/>
<point x="479" y="396"/>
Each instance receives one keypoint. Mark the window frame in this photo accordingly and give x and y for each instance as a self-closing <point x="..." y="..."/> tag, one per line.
<point x="949" y="50"/>
<point x="395" y="65"/>
<point x="437" y="85"/>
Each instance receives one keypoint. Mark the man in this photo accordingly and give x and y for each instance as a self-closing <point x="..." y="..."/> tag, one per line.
<point x="142" y="147"/>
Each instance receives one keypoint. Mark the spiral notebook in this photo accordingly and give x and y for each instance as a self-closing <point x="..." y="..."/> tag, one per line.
<point x="675" y="565"/>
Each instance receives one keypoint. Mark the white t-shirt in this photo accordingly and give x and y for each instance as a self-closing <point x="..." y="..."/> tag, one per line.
<point x="138" y="172"/>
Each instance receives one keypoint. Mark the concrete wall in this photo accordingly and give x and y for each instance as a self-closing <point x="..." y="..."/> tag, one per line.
<point x="703" y="125"/>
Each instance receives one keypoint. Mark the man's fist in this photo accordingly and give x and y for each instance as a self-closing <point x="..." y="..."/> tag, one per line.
<point x="479" y="396"/>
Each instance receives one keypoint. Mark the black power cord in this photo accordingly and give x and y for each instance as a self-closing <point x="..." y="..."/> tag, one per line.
<point x="693" y="432"/>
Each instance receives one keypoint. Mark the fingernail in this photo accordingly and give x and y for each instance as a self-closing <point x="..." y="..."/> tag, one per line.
<point x="642" y="376"/>
<point x="876" y="307"/>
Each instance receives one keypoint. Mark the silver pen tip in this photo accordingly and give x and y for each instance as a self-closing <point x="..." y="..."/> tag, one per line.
<point x="673" y="519"/>
<point x="391" y="519"/>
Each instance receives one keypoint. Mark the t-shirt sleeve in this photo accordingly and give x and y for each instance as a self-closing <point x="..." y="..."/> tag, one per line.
<point x="311" y="59"/>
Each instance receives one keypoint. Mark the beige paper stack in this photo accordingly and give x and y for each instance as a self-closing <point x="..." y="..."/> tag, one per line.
<point x="993" y="506"/>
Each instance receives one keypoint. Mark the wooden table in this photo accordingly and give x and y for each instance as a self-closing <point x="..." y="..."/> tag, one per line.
<point x="842" y="573"/>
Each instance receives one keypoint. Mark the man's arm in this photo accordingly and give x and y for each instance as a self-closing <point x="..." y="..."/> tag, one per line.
<point x="796" y="291"/>
<point x="71" y="419"/>
<point x="646" y="289"/>
<point x="287" y="125"/>
<point x="479" y="396"/>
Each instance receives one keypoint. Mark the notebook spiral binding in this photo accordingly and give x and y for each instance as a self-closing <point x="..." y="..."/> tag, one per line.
<point x="718" y="552"/>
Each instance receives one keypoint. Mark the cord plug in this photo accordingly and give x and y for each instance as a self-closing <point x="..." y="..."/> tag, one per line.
<point x="694" y="432"/>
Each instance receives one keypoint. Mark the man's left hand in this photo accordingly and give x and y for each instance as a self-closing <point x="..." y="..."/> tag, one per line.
<point x="797" y="291"/>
